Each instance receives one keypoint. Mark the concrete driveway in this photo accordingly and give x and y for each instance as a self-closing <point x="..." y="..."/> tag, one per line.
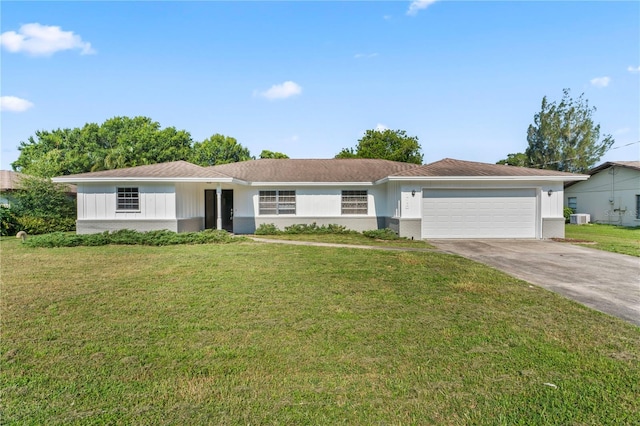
<point x="607" y="282"/>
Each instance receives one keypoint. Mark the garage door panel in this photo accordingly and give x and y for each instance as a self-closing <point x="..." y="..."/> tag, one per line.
<point x="479" y="213"/>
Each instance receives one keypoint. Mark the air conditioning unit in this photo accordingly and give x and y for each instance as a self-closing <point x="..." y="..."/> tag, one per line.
<point x="580" y="218"/>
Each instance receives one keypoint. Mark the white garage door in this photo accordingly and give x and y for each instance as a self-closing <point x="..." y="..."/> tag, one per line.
<point x="479" y="213"/>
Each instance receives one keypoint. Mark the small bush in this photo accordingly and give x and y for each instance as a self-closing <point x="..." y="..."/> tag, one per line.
<point x="267" y="229"/>
<point x="381" y="234"/>
<point x="34" y="225"/>
<point x="8" y="221"/>
<point x="313" y="228"/>
<point x="129" y="237"/>
<point x="568" y="211"/>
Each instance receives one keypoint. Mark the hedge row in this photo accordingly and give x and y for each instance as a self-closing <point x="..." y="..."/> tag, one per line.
<point x="128" y="237"/>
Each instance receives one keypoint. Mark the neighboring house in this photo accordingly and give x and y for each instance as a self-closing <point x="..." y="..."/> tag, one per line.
<point x="445" y="199"/>
<point x="9" y="182"/>
<point x="611" y="195"/>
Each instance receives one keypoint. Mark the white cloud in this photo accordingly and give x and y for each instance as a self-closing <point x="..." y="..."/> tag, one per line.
<point x="381" y="127"/>
<point x="417" y="5"/>
<point x="633" y="69"/>
<point x="14" y="104"/>
<point x="600" y="81"/>
<point x="365" y="55"/>
<point x="43" y="40"/>
<point x="282" y="91"/>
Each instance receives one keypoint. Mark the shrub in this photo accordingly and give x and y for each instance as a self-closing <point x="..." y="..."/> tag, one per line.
<point x="129" y="237"/>
<point x="267" y="229"/>
<point x="381" y="234"/>
<point x="313" y="228"/>
<point x="568" y="211"/>
<point x="43" y="225"/>
<point x="8" y="221"/>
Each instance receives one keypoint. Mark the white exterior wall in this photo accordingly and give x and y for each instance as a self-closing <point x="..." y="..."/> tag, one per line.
<point x="190" y="200"/>
<point x="97" y="202"/>
<point x="310" y="201"/>
<point x="609" y="196"/>
<point x="550" y="206"/>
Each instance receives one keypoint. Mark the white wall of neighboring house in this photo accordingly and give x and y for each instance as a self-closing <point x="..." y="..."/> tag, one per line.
<point x="609" y="196"/>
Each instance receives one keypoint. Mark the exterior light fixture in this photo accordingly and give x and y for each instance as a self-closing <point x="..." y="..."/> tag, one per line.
<point x="413" y="192"/>
<point x="549" y="192"/>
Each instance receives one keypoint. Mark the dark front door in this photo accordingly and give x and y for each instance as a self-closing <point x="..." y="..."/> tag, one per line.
<point x="211" y="209"/>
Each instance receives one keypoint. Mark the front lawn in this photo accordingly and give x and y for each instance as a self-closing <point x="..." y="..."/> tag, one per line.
<point x="252" y="333"/>
<point x="612" y="238"/>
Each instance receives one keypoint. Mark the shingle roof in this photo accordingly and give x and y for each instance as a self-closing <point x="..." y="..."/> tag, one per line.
<point x="9" y="180"/>
<point x="312" y="170"/>
<point x="450" y="167"/>
<point x="628" y="164"/>
<point x="174" y="169"/>
<point x="315" y="171"/>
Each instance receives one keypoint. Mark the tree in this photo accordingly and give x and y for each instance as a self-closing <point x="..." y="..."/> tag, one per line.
<point x="392" y="145"/>
<point x="118" y="142"/>
<point x="518" y="159"/>
<point x="270" y="154"/>
<point x="41" y="206"/>
<point x="219" y="149"/>
<point x="564" y="137"/>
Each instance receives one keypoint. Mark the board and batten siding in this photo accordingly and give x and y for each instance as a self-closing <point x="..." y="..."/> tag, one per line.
<point x="99" y="202"/>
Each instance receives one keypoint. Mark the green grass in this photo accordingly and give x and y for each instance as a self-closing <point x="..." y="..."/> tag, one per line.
<point x="351" y="239"/>
<point x="271" y="334"/>
<point x="612" y="238"/>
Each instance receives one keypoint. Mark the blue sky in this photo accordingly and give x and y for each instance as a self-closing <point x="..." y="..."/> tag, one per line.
<point x="308" y="78"/>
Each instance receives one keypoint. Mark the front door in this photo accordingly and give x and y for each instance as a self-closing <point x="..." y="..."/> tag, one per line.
<point x="211" y="209"/>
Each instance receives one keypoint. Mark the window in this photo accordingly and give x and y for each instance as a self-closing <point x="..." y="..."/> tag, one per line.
<point x="355" y="202"/>
<point x="637" y="206"/>
<point x="573" y="203"/>
<point x="277" y="202"/>
<point x="128" y="199"/>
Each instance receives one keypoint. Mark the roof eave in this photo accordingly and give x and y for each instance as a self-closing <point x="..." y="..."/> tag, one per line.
<point x="293" y="184"/>
<point x="143" y="179"/>
<point x="486" y="178"/>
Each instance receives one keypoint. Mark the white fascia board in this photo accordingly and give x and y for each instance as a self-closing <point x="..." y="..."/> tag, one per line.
<point x="305" y="184"/>
<point x="141" y="179"/>
<point x="484" y="178"/>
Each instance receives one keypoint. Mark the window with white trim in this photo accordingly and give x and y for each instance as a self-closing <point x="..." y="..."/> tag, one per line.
<point x="128" y="199"/>
<point x="355" y="202"/>
<point x="572" y="203"/>
<point x="277" y="202"/>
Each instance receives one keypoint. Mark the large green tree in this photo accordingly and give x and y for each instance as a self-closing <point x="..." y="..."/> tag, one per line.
<point x="564" y="137"/>
<point x="388" y="144"/>
<point x="219" y="149"/>
<point x="118" y="142"/>
<point x="271" y="154"/>
<point x="518" y="159"/>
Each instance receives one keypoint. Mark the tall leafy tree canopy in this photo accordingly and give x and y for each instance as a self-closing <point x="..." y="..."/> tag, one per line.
<point x="388" y="144"/>
<point x="219" y="149"/>
<point x="270" y="154"/>
<point x="118" y="142"/>
<point x="563" y="137"/>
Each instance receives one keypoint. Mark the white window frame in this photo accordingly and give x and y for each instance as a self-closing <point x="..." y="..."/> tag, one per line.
<point x="127" y="199"/>
<point x="277" y="202"/>
<point x="354" y="202"/>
